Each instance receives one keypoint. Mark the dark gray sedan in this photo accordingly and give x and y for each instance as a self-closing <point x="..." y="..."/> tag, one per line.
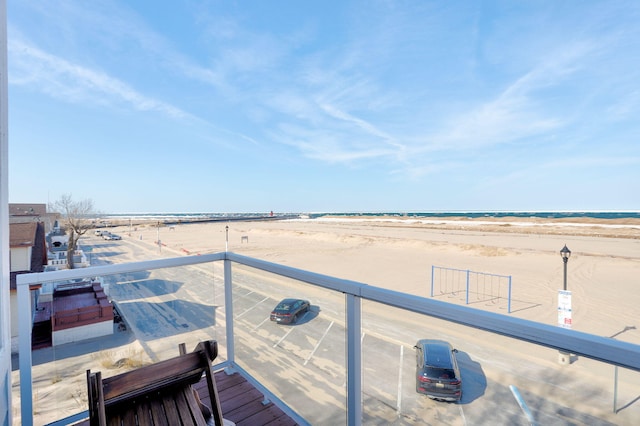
<point x="289" y="310"/>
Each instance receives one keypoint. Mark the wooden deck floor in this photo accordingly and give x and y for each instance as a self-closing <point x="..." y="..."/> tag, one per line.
<point x="242" y="403"/>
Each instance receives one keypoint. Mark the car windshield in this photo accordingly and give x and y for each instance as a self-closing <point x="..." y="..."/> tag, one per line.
<point x="283" y="307"/>
<point x="440" y="373"/>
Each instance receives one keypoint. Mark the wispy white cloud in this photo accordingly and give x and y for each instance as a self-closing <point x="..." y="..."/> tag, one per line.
<point x="327" y="145"/>
<point x="343" y="116"/>
<point x="625" y="107"/>
<point x="519" y="111"/>
<point x="74" y="83"/>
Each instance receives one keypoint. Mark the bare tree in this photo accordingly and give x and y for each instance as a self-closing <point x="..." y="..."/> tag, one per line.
<point x="76" y="220"/>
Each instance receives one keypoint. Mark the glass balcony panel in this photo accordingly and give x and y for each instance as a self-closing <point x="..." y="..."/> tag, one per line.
<point x="496" y="371"/>
<point x="302" y="363"/>
<point x="169" y="306"/>
<point x="154" y="311"/>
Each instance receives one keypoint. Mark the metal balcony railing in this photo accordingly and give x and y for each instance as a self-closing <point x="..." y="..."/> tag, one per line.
<point x="353" y="294"/>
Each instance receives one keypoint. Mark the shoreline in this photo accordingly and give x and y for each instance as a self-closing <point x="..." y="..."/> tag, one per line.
<point x="586" y="226"/>
<point x="608" y="228"/>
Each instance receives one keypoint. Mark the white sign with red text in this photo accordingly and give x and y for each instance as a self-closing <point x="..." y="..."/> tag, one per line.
<point x="564" y="308"/>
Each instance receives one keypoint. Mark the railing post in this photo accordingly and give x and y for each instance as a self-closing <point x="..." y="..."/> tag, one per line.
<point x="228" y="311"/>
<point x="24" y="357"/>
<point x="354" y="360"/>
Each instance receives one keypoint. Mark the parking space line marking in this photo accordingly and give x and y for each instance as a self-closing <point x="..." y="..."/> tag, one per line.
<point x="318" y="344"/>
<point x="247" y="310"/>
<point x="242" y="296"/>
<point x="283" y="337"/>
<point x="399" y="405"/>
<point x="260" y="325"/>
<point x="464" y="419"/>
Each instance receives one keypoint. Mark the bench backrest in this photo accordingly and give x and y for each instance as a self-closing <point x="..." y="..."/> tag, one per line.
<point x="112" y="396"/>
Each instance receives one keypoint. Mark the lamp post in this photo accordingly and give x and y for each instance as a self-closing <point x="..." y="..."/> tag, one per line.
<point x="564" y="306"/>
<point x="565" y="253"/>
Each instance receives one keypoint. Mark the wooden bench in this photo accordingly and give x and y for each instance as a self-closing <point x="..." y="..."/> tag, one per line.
<point x="157" y="394"/>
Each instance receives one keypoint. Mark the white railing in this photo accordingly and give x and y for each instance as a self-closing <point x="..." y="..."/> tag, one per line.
<point x="603" y="349"/>
<point x="59" y="259"/>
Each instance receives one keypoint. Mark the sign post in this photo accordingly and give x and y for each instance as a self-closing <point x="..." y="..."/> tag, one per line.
<point x="564" y="320"/>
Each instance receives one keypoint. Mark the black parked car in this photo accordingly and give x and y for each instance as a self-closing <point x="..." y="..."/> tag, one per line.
<point x="289" y="310"/>
<point x="437" y="373"/>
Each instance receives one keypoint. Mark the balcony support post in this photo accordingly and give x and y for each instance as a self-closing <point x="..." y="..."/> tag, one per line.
<point x="24" y="358"/>
<point x="228" y="311"/>
<point x="354" y="360"/>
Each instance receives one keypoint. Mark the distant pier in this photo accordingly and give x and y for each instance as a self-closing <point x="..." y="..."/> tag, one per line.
<point x="228" y="219"/>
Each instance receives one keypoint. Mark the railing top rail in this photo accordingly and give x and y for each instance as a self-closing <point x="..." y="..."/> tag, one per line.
<point x="469" y="271"/>
<point x="120" y="268"/>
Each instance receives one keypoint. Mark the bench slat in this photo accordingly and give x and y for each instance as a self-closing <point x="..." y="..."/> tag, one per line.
<point x="143" y="413"/>
<point x="170" y="410"/>
<point x="186" y="368"/>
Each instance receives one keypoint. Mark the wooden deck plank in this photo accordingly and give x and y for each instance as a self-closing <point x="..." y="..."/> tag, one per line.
<point x="232" y="392"/>
<point x="224" y="381"/>
<point x="249" y="405"/>
<point x="283" y="420"/>
<point x="272" y="416"/>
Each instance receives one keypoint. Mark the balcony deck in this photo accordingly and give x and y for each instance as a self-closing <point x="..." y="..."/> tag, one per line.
<point x="241" y="402"/>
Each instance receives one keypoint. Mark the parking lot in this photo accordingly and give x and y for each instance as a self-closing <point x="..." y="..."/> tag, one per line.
<point x="304" y="363"/>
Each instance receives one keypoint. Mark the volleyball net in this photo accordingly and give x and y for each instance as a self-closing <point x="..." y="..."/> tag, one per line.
<point x="471" y="286"/>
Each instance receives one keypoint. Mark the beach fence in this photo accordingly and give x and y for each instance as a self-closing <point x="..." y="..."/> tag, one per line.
<point x="471" y="286"/>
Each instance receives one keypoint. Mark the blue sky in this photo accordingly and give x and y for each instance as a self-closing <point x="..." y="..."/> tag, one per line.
<point x="301" y="106"/>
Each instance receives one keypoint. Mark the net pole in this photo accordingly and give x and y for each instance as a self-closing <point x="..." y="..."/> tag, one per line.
<point x="467" y="286"/>
<point x="433" y="268"/>
<point x="509" y="299"/>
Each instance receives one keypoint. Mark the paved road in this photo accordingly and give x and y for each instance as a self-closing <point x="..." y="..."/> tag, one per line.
<point x="306" y="362"/>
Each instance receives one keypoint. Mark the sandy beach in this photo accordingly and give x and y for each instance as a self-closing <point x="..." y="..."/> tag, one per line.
<point x="398" y="253"/>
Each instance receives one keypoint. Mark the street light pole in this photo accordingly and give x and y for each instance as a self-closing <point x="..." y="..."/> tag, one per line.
<point x="564" y="306"/>
<point x="565" y="253"/>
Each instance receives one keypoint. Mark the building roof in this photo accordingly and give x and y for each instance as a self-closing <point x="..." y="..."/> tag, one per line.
<point x="27" y="209"/>
<point x="29" y="234"/>
<point x="22" y="234"/>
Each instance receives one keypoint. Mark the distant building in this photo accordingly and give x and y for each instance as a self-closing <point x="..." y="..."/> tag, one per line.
<point x="24" y="213"/>
<point x="28" y="253"/>
<point x="57" y="244"/>
<point x="63" y="312"/>
<point x="27" y="210"/>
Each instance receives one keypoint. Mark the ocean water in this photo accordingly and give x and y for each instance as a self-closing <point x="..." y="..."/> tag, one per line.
<point x="499" y="214"/>
<point x="187" y="217"/>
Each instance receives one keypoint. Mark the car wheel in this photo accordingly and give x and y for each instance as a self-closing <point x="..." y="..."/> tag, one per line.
<point x="295" y="319"/>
